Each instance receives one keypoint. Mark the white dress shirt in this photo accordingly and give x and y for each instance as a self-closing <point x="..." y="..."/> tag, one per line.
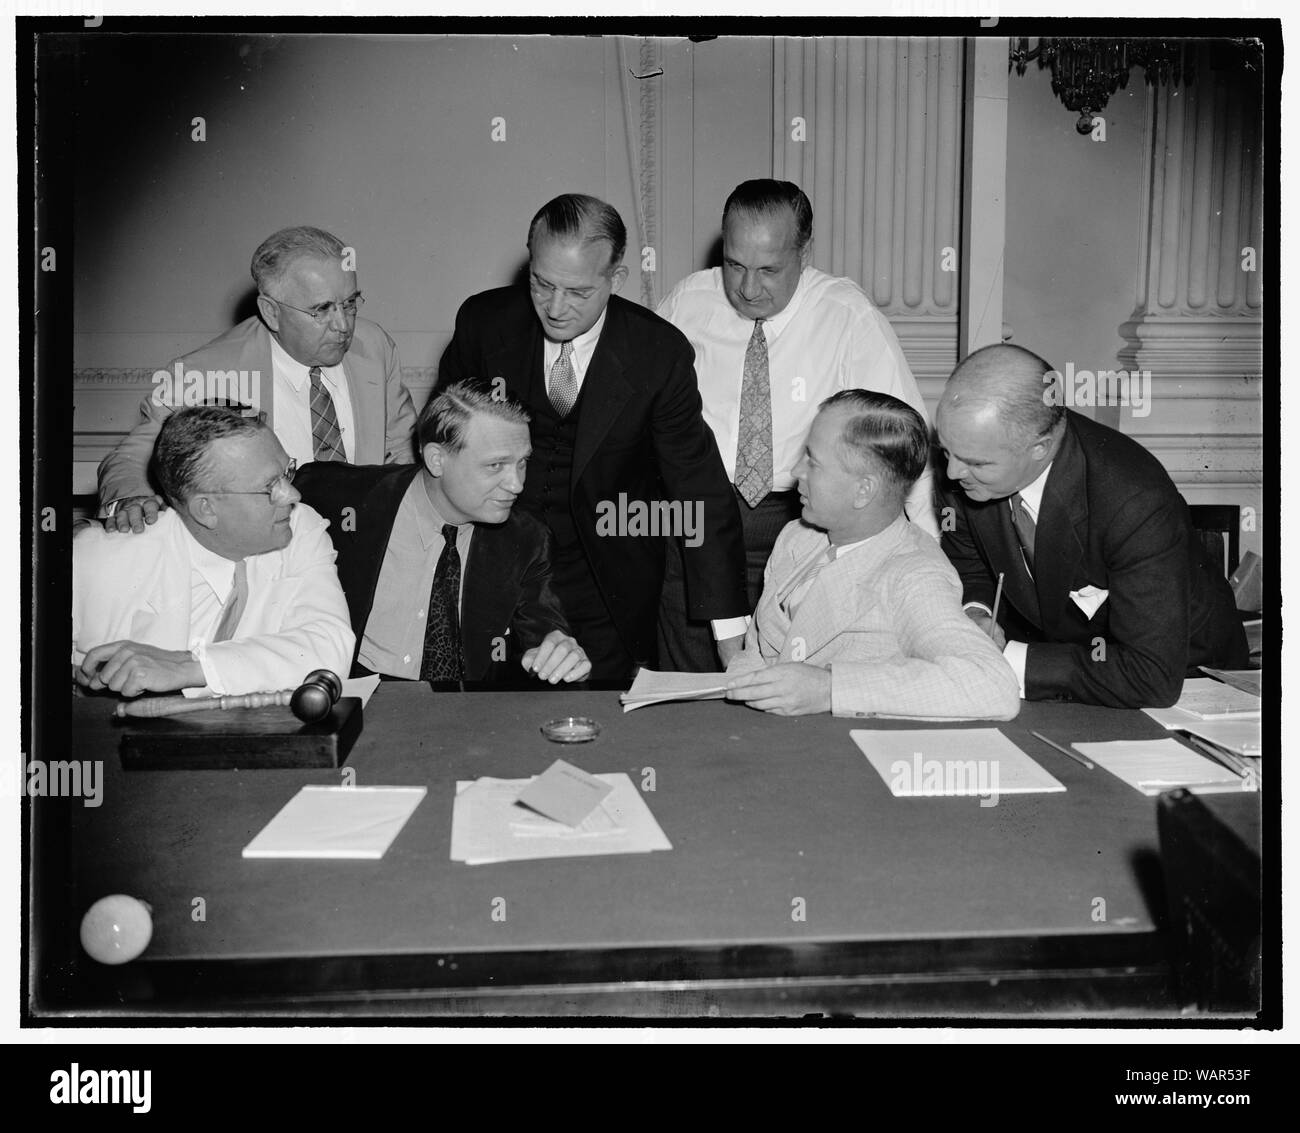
<point x="828" y="338"/>
<point x="292" y="394"/>
<point x="584" y="346"/>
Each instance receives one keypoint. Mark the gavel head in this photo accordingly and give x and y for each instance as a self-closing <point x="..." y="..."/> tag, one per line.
<point x="316" y="696"/>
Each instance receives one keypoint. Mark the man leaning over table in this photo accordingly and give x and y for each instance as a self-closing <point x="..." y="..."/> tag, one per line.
<point x="861" y="612"/>
<point x="231" y="590"/>
<point x="328" y="381"/>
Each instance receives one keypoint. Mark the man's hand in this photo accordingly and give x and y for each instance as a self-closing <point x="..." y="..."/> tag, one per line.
<point x="989" y="626"/>
<point x="130" y="668"/>
<point x="558" y="658"/>
<point x="787" y="690"/>
<point x="133" y="513"/>
<point x="730" y="648"/>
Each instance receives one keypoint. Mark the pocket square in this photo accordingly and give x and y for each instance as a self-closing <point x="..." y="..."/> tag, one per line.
<point x="1089" y="599"/>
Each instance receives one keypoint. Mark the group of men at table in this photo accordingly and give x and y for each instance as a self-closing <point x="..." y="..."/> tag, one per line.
<point x="742" y="480"/>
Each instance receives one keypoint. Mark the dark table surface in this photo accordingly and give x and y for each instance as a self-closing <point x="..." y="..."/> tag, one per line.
<point x="762" y="812"/>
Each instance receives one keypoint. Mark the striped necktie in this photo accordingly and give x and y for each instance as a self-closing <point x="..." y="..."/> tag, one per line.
<point x="235" y="603"/>
<point x="754" y="436"/>
<point x="803" y="582"/>
<point x="326" y="438"/>
<point x="1025" y="529"/>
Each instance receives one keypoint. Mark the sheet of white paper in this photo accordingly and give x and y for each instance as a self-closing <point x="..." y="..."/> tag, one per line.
<point x="361" y="686"/>
<point x="337" y="822"/>
<point x="651" y="687"/>
<point x="487" y="825"/>
<point x="956" y="762"/>
<point x="1239" y="736"/>
<point x="1153" y="766"/>
<point x="1211" y="699"/>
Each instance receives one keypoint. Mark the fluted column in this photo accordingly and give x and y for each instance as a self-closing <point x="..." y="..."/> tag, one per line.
<point x="1197" y="326"/>
<point x="871" y="129"/>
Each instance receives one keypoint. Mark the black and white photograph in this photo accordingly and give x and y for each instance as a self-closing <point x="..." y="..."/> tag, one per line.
<point x="660" y="522"/>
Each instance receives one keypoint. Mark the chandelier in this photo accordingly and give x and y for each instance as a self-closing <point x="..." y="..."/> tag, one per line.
<point x="1086" y="72"/>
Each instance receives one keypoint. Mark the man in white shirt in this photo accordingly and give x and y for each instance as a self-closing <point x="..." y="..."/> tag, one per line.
<point x="861" y="612"/>
<point x="773" y="338"/>
<point x="329" y="383"/>
<point x="231" y="590"/>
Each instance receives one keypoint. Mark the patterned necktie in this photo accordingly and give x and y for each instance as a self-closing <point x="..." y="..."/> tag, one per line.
<point x="564" y="382"/>
<point x="754" y="438"/>
<point x="442" y="651"/>
<point x="1025" y="529"/>
<point x="327" y="440"/>
<point x="235" y="602"/>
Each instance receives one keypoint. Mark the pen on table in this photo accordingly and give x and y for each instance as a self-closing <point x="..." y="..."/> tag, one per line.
<point x="997" y="598"/>
<point x="1063" y="750"/>
<point x="1221" y="757"/>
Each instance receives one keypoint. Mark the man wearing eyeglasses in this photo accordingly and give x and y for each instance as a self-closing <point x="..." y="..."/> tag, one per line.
<point x="329" y="382"/>
<point x="616" y="431"/>
<point x="230" y="590"/>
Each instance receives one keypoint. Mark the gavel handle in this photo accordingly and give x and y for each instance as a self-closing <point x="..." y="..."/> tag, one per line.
<point x="151" y="706"/>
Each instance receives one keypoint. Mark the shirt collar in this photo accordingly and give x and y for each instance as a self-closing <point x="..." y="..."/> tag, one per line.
<point x="1032" y="494"/>
<point x="293" y="371"/>
<point x="217" y="571"/>
<point x="586" y="341"/>
<point x="777" y="323"/>
<point x="428" y="522"/>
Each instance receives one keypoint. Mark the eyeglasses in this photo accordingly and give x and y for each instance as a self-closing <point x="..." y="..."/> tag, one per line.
<point x="545" y="290"/>
<point x="324" y="312"/>
<point x="280" y="485"/>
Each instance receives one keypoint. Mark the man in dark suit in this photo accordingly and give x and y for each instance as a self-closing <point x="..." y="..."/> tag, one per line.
<point x="1108" y="596"/>
<point x="402" y="533"/>
<point x="621" y="456"/>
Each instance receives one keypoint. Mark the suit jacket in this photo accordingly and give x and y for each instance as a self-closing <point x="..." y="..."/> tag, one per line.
<point x="381" y="403"/>
<point x="640" y="433"/>
<point x="1112" y="519"/>
<point x="506" y="591"/>
<point x="128" y="587"/>
<point x="886" y="619"/>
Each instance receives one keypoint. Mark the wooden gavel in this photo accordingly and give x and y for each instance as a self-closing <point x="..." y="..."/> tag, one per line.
<point x="311" y="701"/>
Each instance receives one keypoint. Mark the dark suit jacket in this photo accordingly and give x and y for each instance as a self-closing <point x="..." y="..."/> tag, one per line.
<point x="506" y="591"/>
<point x="640" y="433"/>
<point x="1111" y="518"/>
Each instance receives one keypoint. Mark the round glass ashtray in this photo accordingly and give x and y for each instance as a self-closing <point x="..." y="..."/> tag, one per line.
<point x="571" y="730"/>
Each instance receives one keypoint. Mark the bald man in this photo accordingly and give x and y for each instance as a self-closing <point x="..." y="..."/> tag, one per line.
<point x="1108" y="596"/>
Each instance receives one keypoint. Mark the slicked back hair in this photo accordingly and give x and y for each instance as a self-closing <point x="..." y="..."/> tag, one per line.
<point x="587" y="220"/>
<point x="765" y="197"/>
<point x="180" y="455"/>
<point x="280" y="249"/>
<point x="882" y="432"/>
<point x="445" y="418"/>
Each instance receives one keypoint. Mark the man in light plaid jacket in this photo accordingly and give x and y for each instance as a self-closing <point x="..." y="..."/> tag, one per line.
<point x="861" y="611"/>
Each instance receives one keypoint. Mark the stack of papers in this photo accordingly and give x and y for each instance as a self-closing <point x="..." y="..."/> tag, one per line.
<point x="337" y="822"/>
<point x="491" y="822"/>
<point x="1153" y="766"/>
<point x="1206" y="699"/>
<point x="950" y="763"/>
<point x="1248" y="680"/>
<point x="651" y="687"/>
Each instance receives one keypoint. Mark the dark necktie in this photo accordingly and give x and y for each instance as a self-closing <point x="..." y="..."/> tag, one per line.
<point x="326" y="438"/>
<point x="442" y="651"/>
<point x="564" y="382"/>
<point x="1025" y="529"/>
<point x="754" y="436"/>
<point x="235" y="602"/>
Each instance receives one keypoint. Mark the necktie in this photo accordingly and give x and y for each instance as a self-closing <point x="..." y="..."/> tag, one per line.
<point x="754" y="438"/>
<point x="803" y="584"/>
<point x="442" y="651"/>
<point x="235" y="602"/>
<point x="327" y="440"/>
<point x="564" y="382"/>
<point x="1025" y="529"/>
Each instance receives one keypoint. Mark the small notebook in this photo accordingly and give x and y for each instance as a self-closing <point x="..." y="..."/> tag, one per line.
<point x="1154" y="766"/>
<point x="337" y="822"/>
<point x="952" y="763"/>
<point x="651" y="687"/>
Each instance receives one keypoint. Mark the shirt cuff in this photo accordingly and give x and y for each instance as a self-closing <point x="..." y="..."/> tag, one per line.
<point x="726" y="628"/>
<point x="211" y="678"/>
<point x="977" y="606"/>
<point x="1016" y="653"/>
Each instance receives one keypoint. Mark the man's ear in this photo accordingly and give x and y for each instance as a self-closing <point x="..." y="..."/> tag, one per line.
<point x="617" y="278"/>
<point x="199" y="508"/>
<point x="805" y="254"/>
<point x="270" y="313"/>
<point x="432" y="454"/>
<point x="867" y="488"/>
